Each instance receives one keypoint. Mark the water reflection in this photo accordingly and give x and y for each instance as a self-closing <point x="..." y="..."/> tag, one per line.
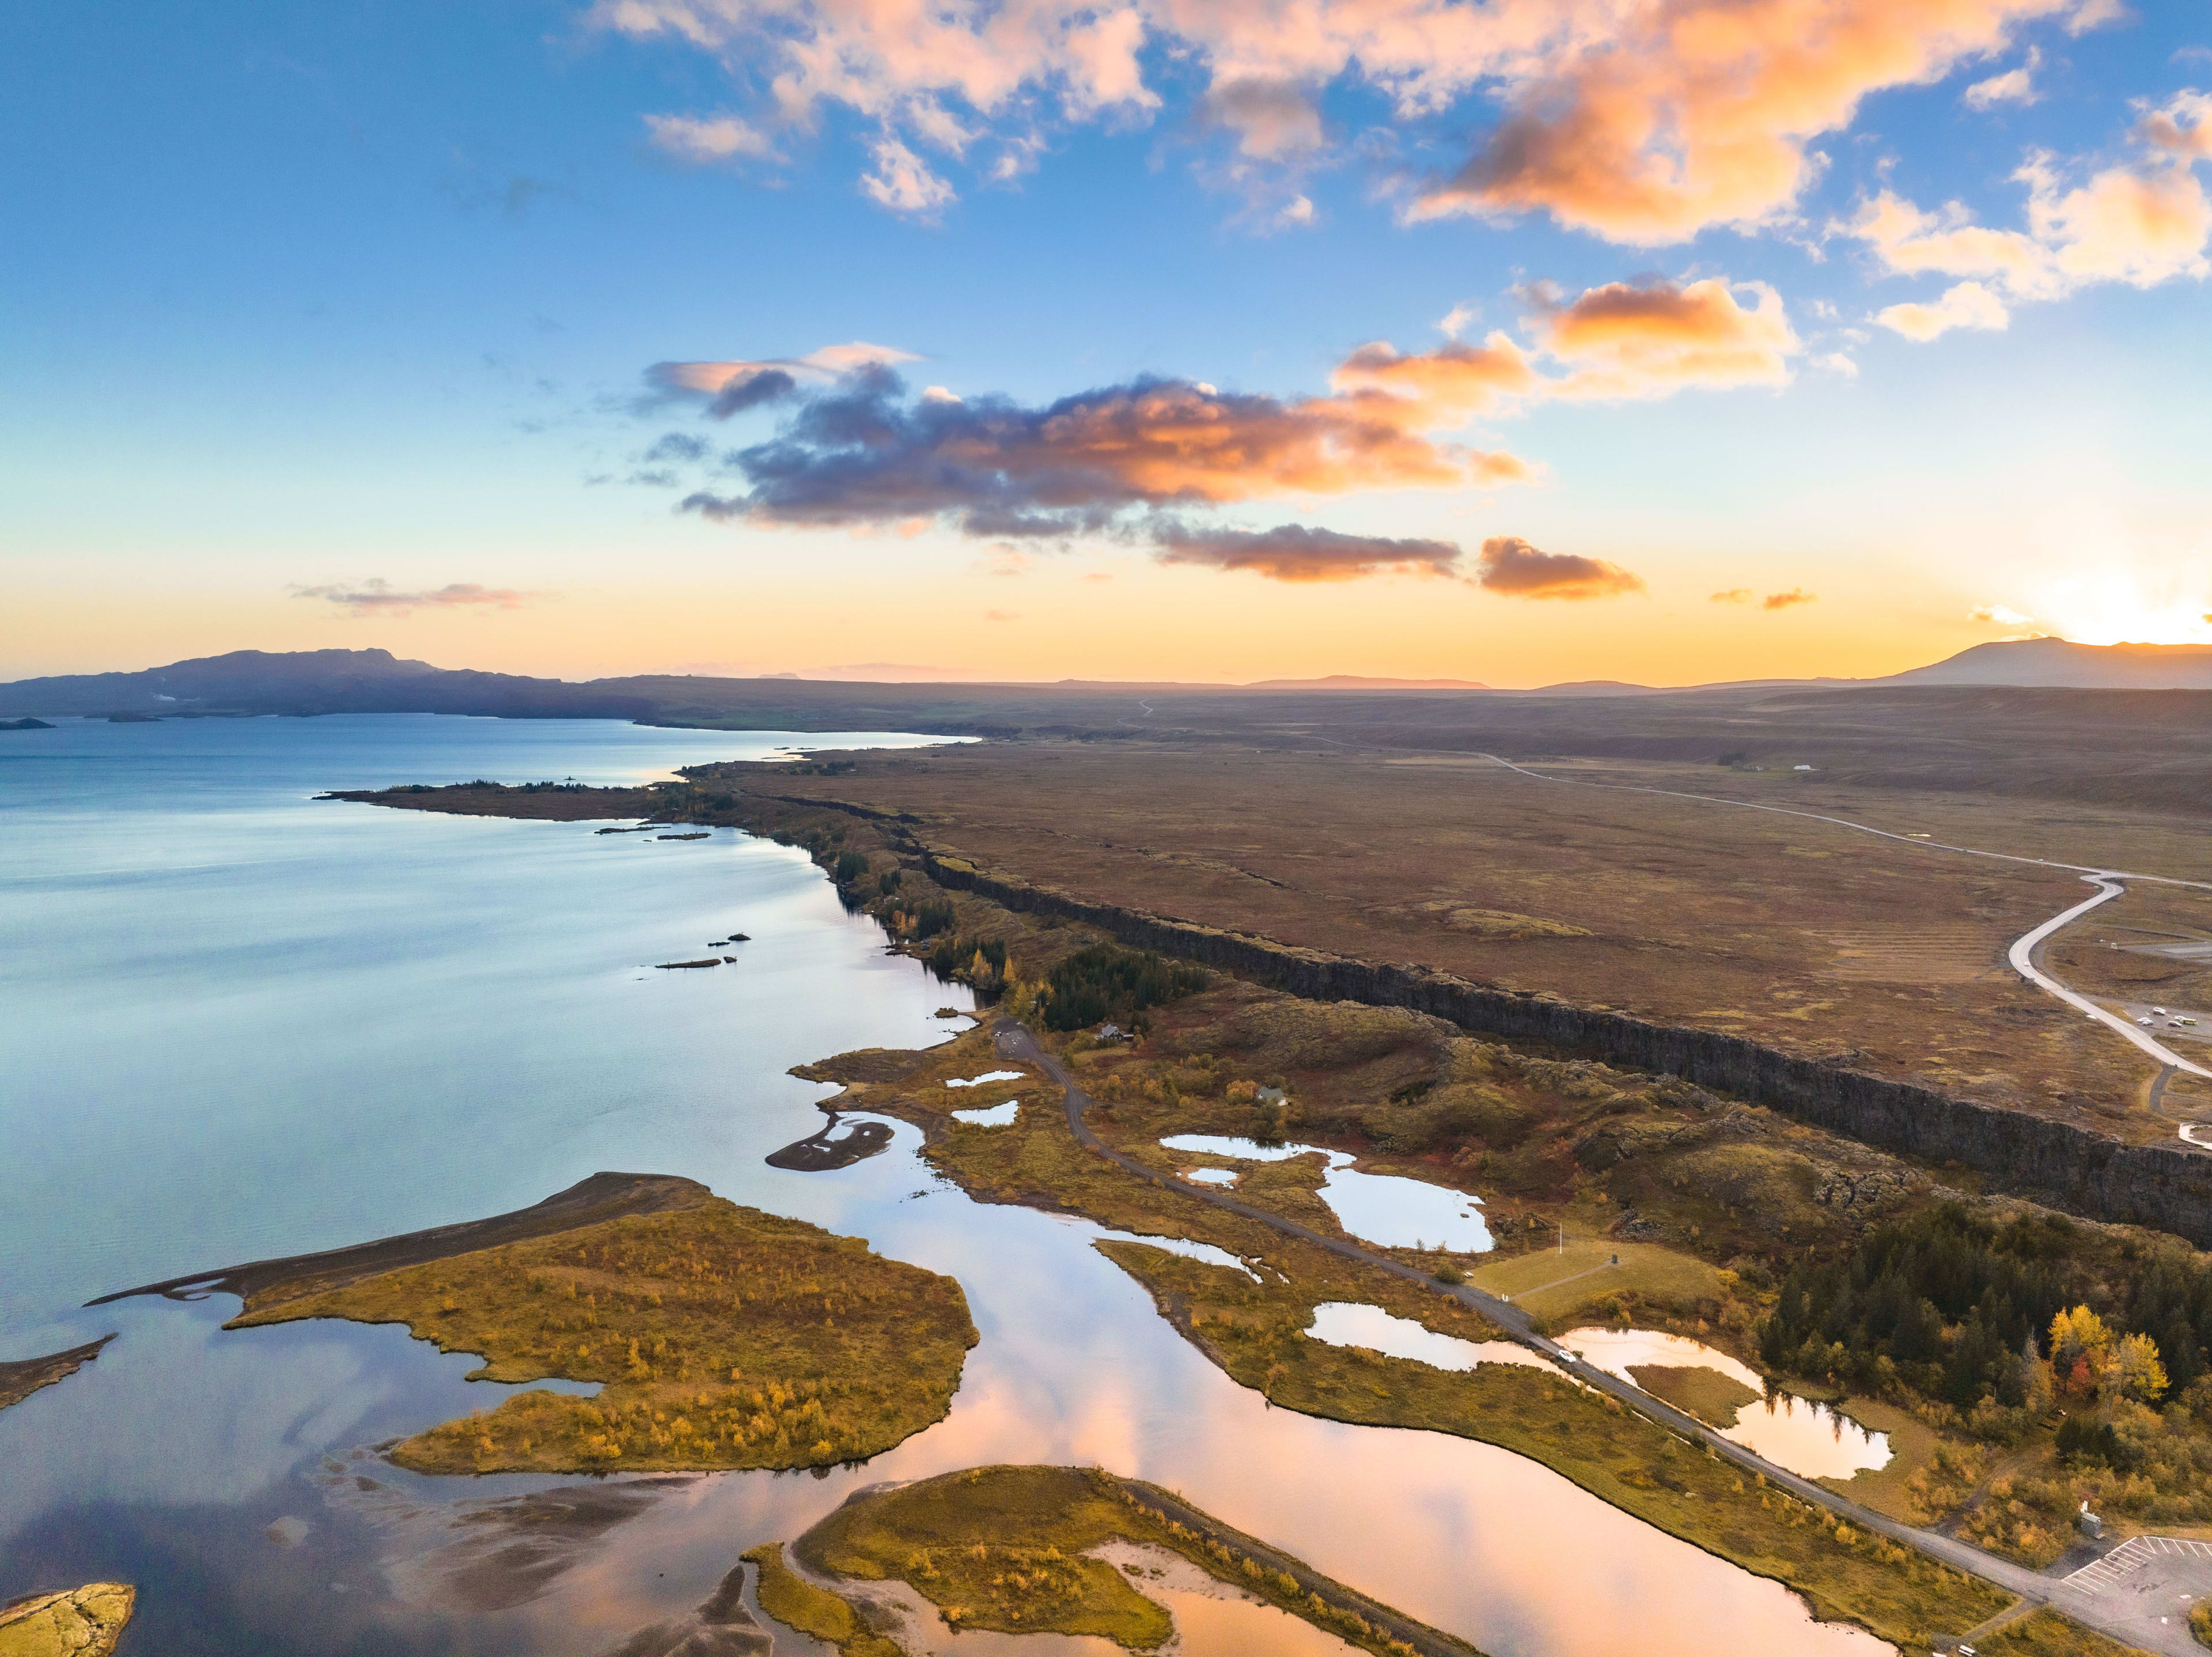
<point x="1809" y="1439"/>
<point x="1342" y="1323"/>
<point x="367" y="1022"/>
<point x="1384" y="1208"/>
<point x="996" y="1116"/>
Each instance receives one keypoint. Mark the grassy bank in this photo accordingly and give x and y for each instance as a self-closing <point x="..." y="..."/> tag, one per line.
<point x="722" y="1336"/>
<point x="1005" y="1549"/>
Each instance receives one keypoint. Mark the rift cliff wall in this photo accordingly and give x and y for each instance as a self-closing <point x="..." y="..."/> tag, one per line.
<point x="2056" y="1163"/>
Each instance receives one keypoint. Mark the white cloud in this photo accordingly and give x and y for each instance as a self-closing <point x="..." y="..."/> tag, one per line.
<point x="1838" y="362"/>
<point x="1966" y="305"/>
<point x="706" y="138"/>
<point x="1298" y="211"/>
<point x="1454" y="322"/>
<point x="903" y="182"/>
<point x="2003" y="614"/>
<point x="2141" y="221"/>
<point x="2015" y="86"/>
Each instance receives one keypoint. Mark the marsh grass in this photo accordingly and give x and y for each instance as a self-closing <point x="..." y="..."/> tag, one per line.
<point x="724" y="1337"/>
<point x="1712" y="1396"/>
<point x="2048" y="1634"/>
<point x="1006" y="1549"/>
<point x="797" y="1603"/>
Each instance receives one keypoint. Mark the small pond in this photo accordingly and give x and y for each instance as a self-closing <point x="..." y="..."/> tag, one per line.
<point x="1384" y="1208"/>
<point x="1348" y="1322"/>
<point x="1809" y="1439"/>
<point x="993" y="1116"/>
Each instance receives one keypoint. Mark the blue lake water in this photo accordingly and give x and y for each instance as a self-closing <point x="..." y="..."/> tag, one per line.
<point x="240" y="1022"/>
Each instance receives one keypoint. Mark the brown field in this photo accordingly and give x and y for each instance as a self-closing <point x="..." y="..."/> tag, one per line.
<point x="1811" y="938"/>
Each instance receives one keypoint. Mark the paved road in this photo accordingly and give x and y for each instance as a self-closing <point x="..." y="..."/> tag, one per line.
<point x="2022" y="957"/>
<point x="2084" y="1601"/>
<point x="2109" y="882"/>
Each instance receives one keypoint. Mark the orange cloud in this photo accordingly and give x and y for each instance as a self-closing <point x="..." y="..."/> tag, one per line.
<point x="1643" y="121"/>
<point x="1444" y="388"/>
<point x="1783" y="600"/>
<point x="2141" y="222"/>
<point x="1967" y="305"/>
<point x="1734" y="595"/>
<point x="862" y="451"/>
<point x="1295" y="552"/>
<point x="1652" y="124"/>
<point x="1510" y="565"/>
<point x="1624" y="340"/>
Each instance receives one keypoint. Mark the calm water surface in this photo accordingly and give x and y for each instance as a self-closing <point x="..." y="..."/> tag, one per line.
<point x="242" y="1023"/>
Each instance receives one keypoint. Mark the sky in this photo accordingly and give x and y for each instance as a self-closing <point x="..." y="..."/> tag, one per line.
<point x="1521" y="341"/>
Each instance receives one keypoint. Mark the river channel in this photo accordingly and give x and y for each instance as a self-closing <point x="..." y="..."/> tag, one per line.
<point x="244" y="1023"/>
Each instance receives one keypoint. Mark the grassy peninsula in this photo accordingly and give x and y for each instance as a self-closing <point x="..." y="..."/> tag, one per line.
<point x="724" y="1337"/>
<point x="84" y="1621"/>
<point x="1010" y="1549"/>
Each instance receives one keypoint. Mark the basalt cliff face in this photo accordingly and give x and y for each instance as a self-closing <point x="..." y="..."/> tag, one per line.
<point x="2057" y="1163"/>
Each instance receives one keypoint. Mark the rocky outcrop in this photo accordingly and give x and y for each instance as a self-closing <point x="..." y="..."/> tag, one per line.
<point x="2058" y="1163"/>
<point x="86" y="1622"/>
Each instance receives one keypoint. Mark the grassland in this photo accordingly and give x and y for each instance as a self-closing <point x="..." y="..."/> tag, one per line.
<point x="797" y="1603"/>
<point x="1712" y="1396"/>
<point x="85" y="1621"/>
<point x="2046" y="1633"/>
<point x="1008" y="1548"/>
<point x="723" y="1337"/>
<point x="1559" y="1286"/>
<point x="1804" y="937"/>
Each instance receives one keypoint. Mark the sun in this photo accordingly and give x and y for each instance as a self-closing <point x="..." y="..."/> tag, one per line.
<point x="2116" y="606"/>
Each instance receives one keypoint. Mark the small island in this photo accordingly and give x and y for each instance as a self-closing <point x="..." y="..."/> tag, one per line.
<point x="84" y="1621"/>
<point x="1029" y="1550"/>
<point x="24" y="725"/>
<point x="722" y="1336"/>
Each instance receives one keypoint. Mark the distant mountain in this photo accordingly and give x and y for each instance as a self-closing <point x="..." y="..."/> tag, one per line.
<point x="1354" y="682"/>
<point x="2059" y="663"/>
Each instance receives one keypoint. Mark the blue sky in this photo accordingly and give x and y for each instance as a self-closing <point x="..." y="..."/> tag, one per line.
<point x="300" y="300"/>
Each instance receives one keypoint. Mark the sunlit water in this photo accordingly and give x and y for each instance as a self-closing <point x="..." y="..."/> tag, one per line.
<point x="1383" y="1208"/>
<point x="1809" y="1439"/>
<point x="242" y="1023"/>
<point x="1345" y="1323"/>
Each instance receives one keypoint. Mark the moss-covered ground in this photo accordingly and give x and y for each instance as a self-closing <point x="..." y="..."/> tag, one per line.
<point x="1005" y="1549"/>
<point x="797" y="1603"/>
<point x="1712" y="1396"/>
<point x="723" y="1337"/>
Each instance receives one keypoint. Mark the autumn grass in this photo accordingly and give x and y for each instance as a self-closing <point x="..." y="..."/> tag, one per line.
<point x="2048" y="1634"/>
<point x="724" y="1337"/>
<point x="1007" y="1549"/>
<point x="1645" y="1269"/>
<point x="1712" y="1396"/>
<point x="797" y="1603"/>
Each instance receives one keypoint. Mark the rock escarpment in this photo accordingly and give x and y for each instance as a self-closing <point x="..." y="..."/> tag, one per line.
<point x="2059" y="1163"/>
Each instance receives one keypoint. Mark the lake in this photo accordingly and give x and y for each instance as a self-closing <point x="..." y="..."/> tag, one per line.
<point x="241" y="1022"/>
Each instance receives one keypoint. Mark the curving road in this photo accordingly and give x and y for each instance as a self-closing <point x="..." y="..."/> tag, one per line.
<point x="2022" y="957"/>
<point x="2109" y="882"/>
<point x="2084" y="1603"/>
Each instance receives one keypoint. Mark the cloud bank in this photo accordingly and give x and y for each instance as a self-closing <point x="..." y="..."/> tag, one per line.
<point x="1641" y="121"/>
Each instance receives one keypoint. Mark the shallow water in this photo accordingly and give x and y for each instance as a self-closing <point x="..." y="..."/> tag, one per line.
<point x="992" y="1115"/>
<point x="1808" y="1439"/>
<point x="1383" y="1208"/>
<point x="1348" y="1322"/>
<point x="245" y="1024"/>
